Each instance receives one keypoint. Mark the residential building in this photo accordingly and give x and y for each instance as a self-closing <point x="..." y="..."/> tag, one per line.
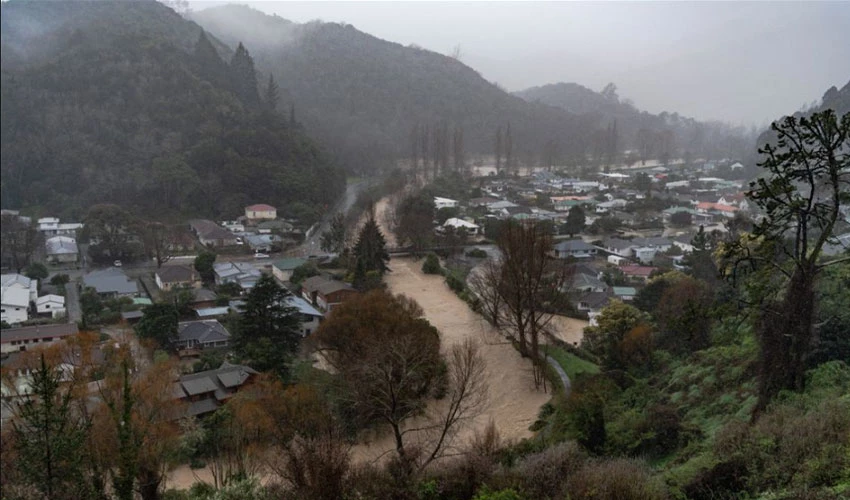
<point x="716" y="208"/>
<point x="14" y="305"/>
<point x="50" y="226"/>
<point x="20" y="281"/>
<point x="51" y="305"/>
<point x="62" y="249"/>
<point x="586" y="283"/>
<point x="619" y="247"/>
<point x="639" y="273"/>
<point x="591" y="303"/>
<point x="310" y="316"/>
<point x="243" y="274"/>
<point x="261" y="242"/>
<point x="625" y="293"/>
<point x="326" y="293"/>
<point x="202" y="298"/>
<point x="111" y="282"/>
<point x="283" y="269"/>
<point x="260" y="211"/>
<point x="202" y="334"/>
<point x="460" y="224"/>
<point x="21" y="339"/>
<point x="444" y="203"/>
<point x="211" y="234"/>
<point x="204" y="392"/>
<point x="576" y="249"/>
<point x="176" y="276"/>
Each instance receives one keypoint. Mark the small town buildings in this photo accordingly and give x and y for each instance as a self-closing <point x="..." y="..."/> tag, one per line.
<point x="28" y="337"/>
<point x="20" y="281"/>
<point x="243" y="274"/>
<point x="111" y="282"/>
<point x="176" y="276"/>
<point x="62" y="249"/>
<point x="261" y="242"/>
<point x="310" y="316"/>
<point x="716" y="208"/>
<point x="14" y="305"/>
<point x="204" y="392"/>
<point x="639" y="273"/>
<point x="625" y="293"/>
<point x="462" y="225"/>
<point x="211" y="234"/>
<point x="326" y="293"/>
<point x="576" y="249"/>
<point x="260" y="211"/>
<point x="202" y="298"/>
<point x="484" y="201"/>
<point x="50" y="305"/>
<point x="591" y="303"/>
<point x="618" y="247"/>
<point x="50" y="226"/>
<point x="204" y="334"/>
<point x="283" y="269"/>
<point x="444" y="203"/>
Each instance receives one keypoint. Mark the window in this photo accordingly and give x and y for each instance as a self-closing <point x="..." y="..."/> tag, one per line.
<point x="47" y="339"/>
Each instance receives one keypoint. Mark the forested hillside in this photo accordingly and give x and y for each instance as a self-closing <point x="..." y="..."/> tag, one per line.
<point x="127" y="102"/>
<point x="649" y="135"/>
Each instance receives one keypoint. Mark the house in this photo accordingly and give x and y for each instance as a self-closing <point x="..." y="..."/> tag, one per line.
<point x="50" y="305"/>
<point x="607" y="206"/>
<point x="310" y="316"/>
<point x="169" y="277"/>
<point x="202" y="298"/>
<point x="706" y="207"/>
<point x="670" y="212"/>
<point x="683" y="241"/>
<point x="20" y="281"/>
<point x="591" y="303"/>
<point x="61" y="249"/>
<point x="444" y="203"/>
<point x="204" y="334"/>
<point x="204" y="392"/>
<point x="260" y="211"/>
<point x="658" y="242"/>
<point x="211" y="234"/>
<point x="243" y="274"/>
<point x="738" y="200"/>
<point x="640" y="273"/>
<point x="576" y="249"/>
<point x="14" y="305"/>
<point x="625" y="293"/>
<point x="484" y="201"/>
<point x="625" y="218"/>
<point x="283" y="269"/>
<point x="498" y="206"/>
<point x="586" y="283"/>
<point x="261" y="242"/>
<point x="50" y="226"/>
<point x="460" y="224"/>
<point x="619" y="247"/>
<point x="515" y="211"/>
<point x="111" y="282"/>
<point x="644" y="255"/>
<point x="21" y="339"/>
<point x="326" y="293"/>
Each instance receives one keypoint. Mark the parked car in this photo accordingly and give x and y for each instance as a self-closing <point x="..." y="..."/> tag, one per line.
<point x="117" y="263"/>
<point x="259" y="255"/>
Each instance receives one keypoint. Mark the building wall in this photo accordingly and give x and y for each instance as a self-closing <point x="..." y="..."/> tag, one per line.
<point x="13" y="314"/>
<point x="261" y="214"/>
<point x="281" y="274"/>
<point x="24" y="345"/>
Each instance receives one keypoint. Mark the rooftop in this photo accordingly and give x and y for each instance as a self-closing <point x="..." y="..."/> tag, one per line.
<point x="37" y="332"/>
<point x="260" y="207"/>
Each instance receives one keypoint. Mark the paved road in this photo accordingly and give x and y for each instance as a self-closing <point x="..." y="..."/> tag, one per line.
<point x="72" y="302"/>
<point x="565" y="380"/>
<point x="312" y="244"/>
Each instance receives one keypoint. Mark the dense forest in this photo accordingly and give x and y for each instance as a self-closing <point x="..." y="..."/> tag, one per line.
<point x="129" y="103"/>
<point x="643" y="132"/>
<point x="363" y="96"/>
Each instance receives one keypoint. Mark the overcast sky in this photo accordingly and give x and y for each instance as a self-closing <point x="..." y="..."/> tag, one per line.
<point x="740" y="62"/>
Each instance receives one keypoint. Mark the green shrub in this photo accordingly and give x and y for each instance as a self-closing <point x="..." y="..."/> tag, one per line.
<point x="432" y="264"/>
<point x="455" y="283"/>
<point x="476" y="253"/>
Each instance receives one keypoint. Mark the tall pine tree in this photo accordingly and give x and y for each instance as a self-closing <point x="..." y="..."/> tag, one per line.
<point x="371" y="248"/>
<point x="244" y="77"/>
<point x="272" y="95"/>
<point x="210" y="64"/>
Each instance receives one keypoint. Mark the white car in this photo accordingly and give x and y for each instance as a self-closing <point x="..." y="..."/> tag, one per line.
<point x="259" y="255"/>
<point x="117" y="263"/>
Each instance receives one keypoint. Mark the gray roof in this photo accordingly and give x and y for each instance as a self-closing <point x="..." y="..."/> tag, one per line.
<point x="618" y="243"/>
<point x="653" y="242"/>
<point x="61" y="245"/>
<point x="209" y="330"/>
<point x="220" y="381"/>
<point x="582" y="281"/>
<point x="202" y="295"/>
<point x="595" y="300"/>
<point x="11" y="279"/>
<point x="574" y="246"/>
<point x="111" y="280"/>
<point x="209" y="230"/>
<point x="37" y="332"/>
<point x="324" y="285"/>
<point x="177" y="274"/>
<point x="303" y="306"/>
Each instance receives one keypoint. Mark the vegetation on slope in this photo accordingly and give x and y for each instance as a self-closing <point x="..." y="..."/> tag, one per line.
<point x="126" y="102"/>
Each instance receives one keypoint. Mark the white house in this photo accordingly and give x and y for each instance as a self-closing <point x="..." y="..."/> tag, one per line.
<point x="22" y="282"/>
<point x="20" y="339"/>
<point x="444" y="203"/>
<point x="458" y="224"/>
<point x="577" y="249"/>
<point x="51" y="226"/>
<point x="260" y="211"/>
<point x="61" y="249"/>
<point x="309" y="315"/>
<point x="645" y="255"/>
<point x="52" y="305"/>
<point x="14" y="303"/>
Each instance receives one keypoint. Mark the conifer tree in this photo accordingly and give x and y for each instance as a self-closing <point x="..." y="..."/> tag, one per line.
<point x="272" y="95"/>
<point x="212" y="67"/>
<point x="371" y="247"/>
<point x="244" y="77"/>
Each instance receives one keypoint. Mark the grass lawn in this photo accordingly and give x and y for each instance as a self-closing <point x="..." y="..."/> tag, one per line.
<point x="572" y="364"/>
